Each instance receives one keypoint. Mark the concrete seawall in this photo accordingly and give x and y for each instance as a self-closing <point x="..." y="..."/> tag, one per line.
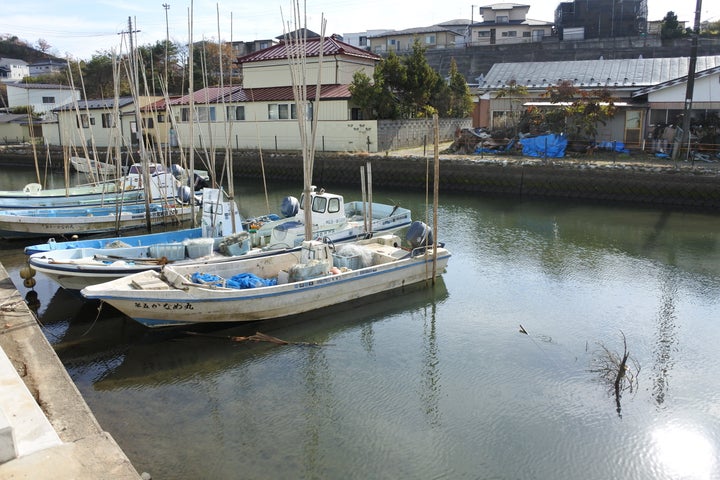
<point x="640" y="179"/>
<point x="56" y="435"/>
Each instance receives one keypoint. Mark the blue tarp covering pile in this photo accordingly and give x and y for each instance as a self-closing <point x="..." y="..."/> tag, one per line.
<point x="240" y="281"/>
<point x="552" y="146"/>
<point x="613" y="146"/>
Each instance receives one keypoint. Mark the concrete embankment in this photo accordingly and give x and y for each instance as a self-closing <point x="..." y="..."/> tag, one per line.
<point x="47" y="431"/>
<point x="637" y="179"/>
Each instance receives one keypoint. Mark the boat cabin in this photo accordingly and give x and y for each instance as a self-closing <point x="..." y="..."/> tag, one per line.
<point x="327" y="208"/>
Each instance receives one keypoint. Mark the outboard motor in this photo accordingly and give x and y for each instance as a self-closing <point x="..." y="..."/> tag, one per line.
<point x="419" y="235"/>
<point x="289" y="207"/>
<point x="184" y="194"/>
<point x="177" y="171"/>
<point x="199" y="182"/>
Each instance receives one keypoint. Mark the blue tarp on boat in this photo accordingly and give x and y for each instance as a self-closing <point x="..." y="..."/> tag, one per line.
<point x="545" y="146"/>
<point x="240" y="281"/>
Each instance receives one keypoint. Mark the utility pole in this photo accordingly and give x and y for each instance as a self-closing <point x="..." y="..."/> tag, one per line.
<point x="689" y="90"/>
<point x="166" y="6"/>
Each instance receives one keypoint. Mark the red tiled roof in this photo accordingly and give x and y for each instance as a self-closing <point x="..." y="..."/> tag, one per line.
<point x="331" y="46"/>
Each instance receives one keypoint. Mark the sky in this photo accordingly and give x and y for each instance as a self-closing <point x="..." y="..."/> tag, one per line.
<point x="78" y="29"/>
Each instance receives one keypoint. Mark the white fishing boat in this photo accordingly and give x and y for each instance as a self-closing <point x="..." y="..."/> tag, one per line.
<point x="260" y="288"/>
<point x="127" y="190"/>
<point x="91" y="166"/>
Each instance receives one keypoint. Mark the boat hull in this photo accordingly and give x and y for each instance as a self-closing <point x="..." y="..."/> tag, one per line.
<point x="158" y="307"/>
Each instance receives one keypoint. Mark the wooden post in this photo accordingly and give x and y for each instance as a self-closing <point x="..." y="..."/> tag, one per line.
<point x="436" y="187"/>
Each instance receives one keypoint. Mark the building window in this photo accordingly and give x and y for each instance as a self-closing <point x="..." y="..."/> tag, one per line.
<point x="282" y="111"/>
<point x="501" y="119"/>
<point x="202" y="114"/>
<point x="161" y="118"/>
<point x="502" y="19"/>
<point x="526" y="34"/>
<point x="92" y="120"/>
<point x="83" y="121"/>
<point x="509" y="34"/>
<point x="362" y="41"/>
<point x="236" y="112"/>
<point x="148" y="123"/>
<point x="430" y="39"/>
<point x="48" y="99"/>
<point x="356" y="114"/>
<point x="107" y="120"/>
<point x="483" y="33"/>
<point x="205" y="114"/>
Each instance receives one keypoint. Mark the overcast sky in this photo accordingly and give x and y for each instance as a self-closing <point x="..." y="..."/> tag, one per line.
<point x="80" y="28"/>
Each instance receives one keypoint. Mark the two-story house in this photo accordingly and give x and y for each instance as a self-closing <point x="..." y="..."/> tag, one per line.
<point x="13" y="70"/>
<point x="505" y="23"/>
<point x="262" y="113"/>
<point x="432" y="37"/>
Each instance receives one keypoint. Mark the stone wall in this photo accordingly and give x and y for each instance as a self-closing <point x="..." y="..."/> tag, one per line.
<point x="398" y="134"/>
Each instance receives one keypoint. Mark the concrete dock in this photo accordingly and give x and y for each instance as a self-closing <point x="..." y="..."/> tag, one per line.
<point x="47" y="431"/>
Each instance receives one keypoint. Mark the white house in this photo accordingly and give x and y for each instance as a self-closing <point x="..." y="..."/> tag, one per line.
<point x="505" y="23"/>
<point x="43" y="98"/>
<point x="13" y="70"/>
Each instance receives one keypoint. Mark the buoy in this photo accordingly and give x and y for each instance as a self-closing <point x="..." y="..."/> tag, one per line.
<point x="27" y="272"/>
<point x="29" y="282"/>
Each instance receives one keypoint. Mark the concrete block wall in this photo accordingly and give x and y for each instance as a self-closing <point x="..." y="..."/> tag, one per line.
<point x="398" y="134"/>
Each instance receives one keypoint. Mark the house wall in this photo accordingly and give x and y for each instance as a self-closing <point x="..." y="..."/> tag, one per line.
<point x="14" y="133"/>
<point x="481" y="35"/>
<point x="705" y="90"/>
<point x="94" y="133"/>
<point x="517" y="13"/>
<point x="20" y="97"/>
<point x="404" y="42"/>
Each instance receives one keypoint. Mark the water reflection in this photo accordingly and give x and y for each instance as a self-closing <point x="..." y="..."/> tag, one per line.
<point x="684" y="451"/>
<point x="666" y="341"/>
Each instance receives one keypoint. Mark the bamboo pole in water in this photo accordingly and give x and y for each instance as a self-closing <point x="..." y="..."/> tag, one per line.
<point x="436" y="187"/>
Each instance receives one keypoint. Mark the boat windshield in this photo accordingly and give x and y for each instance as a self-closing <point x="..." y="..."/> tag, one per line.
<point x="155" y="169"/>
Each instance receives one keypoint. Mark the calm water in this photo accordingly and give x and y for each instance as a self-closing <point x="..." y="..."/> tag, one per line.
<point x="437" y="383"/>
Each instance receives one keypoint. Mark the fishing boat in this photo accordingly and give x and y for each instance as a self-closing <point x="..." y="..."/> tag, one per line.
<point x="274" y="286"/>
<point x="15" y="224"/>
<point x="91" y="166"/>
<point x="128" y="189"/>
<point x="76" y="264"/>
<point x="331" y="218"/>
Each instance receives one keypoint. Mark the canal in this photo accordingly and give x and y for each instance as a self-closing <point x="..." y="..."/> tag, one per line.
<point x="506" y="369"/>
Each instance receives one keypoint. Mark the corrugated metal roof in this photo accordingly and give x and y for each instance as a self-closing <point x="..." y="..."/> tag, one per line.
<point x="630" y="73"/>
<point x="41" y="86"/>
<point x="102" y="104"/>
<point x="331" y="46"/>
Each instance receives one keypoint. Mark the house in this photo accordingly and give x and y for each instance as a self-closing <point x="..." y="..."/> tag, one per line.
<point x="505" y="23"/>
<point x="432" y="37"/>
<point x="650" y="92"/>
<point x="48" y="66"/>
<point x="262" y="113"/>
<point x="100" y="123"/>
<point x="13" y="70"/>
<point x="18" y="128"/>
<point x="43" y="98"/>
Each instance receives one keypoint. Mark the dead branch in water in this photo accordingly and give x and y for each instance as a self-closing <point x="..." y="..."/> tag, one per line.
<point x="618" y="371"/>
<point x="257" y="337"/>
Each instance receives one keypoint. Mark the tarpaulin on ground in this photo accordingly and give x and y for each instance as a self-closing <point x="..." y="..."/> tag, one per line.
<point x="552" y="146"/>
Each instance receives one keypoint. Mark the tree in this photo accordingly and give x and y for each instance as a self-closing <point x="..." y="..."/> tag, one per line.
<point x="461" y="102"/>
<point x="514" y="92"/>
<point x="575" y="112"/>
<point x="670" y="27"/>
<point x="421" y="82"/>
<point x="43" y="45"/>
